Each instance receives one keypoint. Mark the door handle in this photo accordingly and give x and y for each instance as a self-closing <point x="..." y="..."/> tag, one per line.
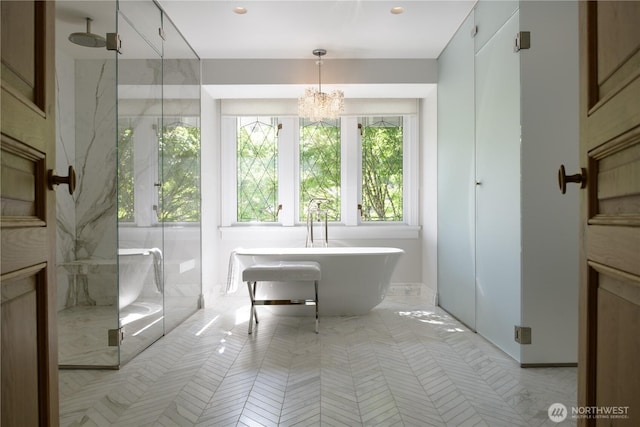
<point x="578" y="178"/>
<point x="70" y="179"/>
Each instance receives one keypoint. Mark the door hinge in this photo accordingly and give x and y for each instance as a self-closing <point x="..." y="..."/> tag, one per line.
<point x="474" y="31"/>
<point x="523" y="41"/>
<point x="161" y="33"/>
<point x="522" y="334"/>
<point x="114" y="42"/>
<point x="116" y="336"/>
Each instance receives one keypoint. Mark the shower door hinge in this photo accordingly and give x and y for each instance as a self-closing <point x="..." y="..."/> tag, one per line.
<point x="116" y="336"/>
<point x="474" y="31"/>
<point x="161" y="33"/>
<point x="522" y="334"/>
<point x="523" y="41"/>
<point x="114" y="42"/>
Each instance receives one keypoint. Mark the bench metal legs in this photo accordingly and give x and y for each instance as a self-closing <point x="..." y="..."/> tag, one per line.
<point x="315" y="286"/>
<point x="254" y="314"/>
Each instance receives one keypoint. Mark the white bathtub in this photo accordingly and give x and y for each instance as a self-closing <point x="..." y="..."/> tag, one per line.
<point x="133" y="267"/>
<point x="354" y="279"/>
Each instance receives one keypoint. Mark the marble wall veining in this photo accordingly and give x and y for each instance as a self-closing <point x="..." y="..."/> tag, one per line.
<point x="86" y="139"/>
<point x="65" y="157"/>
<point x="96" y="157"/>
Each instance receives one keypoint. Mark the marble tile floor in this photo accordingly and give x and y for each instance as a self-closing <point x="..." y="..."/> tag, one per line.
<point x="83" y="335"/>
<point x="406" y="363"/>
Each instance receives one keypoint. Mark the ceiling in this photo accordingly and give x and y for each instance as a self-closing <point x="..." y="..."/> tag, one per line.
<point x="292" y="29"/>
<point x="289" y="29"/>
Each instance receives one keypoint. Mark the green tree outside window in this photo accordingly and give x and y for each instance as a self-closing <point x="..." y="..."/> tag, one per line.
<point x="125" y="186"/>
<point x="320" y="165"/>
<point x="382" y="177"/>
<point x="180" y="154"/>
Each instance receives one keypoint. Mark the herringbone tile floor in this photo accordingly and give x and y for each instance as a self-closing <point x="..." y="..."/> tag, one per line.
<point x="406" y="363"/>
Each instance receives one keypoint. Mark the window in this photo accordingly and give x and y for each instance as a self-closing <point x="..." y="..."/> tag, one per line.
<point x="257" y="166"/>
<point x="320" y="166"/>
<point x="363" y="166"/>
<point x="382" y="171"/>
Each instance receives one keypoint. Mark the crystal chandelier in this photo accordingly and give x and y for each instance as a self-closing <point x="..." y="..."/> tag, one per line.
<point x="317" y="105"/>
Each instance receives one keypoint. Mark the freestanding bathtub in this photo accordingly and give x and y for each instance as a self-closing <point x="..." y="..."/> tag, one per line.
<point x="354" y="279"/>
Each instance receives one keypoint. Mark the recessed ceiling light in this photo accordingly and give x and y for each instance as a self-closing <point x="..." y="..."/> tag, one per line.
<point x="397" y="10"/>
<point x="239" y="10"/>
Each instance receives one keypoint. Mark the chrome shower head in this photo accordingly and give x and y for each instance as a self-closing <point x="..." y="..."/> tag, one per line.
<point x="88" y="39"/>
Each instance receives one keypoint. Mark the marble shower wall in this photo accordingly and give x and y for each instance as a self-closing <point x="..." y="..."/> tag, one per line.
<point x="65" y="157"/>
<point x="96" y="157"/>
<point x="86" y="139"/>
<point x="88" y="234"/>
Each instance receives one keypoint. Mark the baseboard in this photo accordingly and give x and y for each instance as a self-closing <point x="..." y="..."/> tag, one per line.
<point x="548" y="365"/>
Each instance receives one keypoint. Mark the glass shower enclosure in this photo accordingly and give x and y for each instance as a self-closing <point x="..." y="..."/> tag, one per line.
<point x="129" y="260"/>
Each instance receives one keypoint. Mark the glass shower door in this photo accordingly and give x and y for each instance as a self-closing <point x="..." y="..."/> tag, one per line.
<point x="86" y="221"/>
<point x="140" y="240"/>
<point x="180" y="177"/>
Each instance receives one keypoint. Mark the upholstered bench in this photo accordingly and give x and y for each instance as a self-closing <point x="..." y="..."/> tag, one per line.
<point x="281" y="271"/>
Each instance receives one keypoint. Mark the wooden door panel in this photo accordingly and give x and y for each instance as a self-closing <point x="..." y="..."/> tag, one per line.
<point x="20" y="348"/>
<point x="18" y="185"/>
<point x="612" y="305"/>
<point x="617" y="370"/>
<point x="609" y="340"/>
<point x="618" y="38"/>
<point x="18" y="47"/>
<point x="611" y="69"/>
<point x="619" y="180"/>
<point x="28" y="344"/>
<point x="23" y="206"/>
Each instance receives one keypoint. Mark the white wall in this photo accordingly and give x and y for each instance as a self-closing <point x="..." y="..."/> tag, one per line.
<point x="304" y="71"/>
<point x="210" y="178"/>
<point x="429" y="191"/>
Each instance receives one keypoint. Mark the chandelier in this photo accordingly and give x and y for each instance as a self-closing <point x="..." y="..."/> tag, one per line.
<point x="317" y="105"/>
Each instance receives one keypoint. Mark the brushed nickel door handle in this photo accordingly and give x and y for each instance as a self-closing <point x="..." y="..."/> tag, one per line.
<point x="70" y="179"/>
<point x="578" y="178"/>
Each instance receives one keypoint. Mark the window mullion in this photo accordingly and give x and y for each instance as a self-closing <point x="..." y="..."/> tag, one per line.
<point x="287" y="170"/>
<point x="358" y="167"/>
<point x="410" y="169"/>
<point x="145" y="172"/>
<point x="350" y="161"/>
<point x="229" y="165"/>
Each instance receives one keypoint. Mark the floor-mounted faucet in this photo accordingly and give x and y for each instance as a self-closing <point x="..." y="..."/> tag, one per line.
<point x="316" y="213"/>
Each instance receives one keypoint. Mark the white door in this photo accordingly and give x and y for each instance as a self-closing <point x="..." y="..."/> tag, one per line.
<point x="498" y="188"/>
